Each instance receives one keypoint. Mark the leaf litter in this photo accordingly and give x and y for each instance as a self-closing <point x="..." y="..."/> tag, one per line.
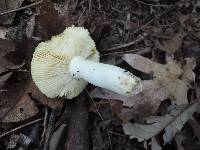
<point x="112" y="25"/>
<point x="175" y="80"/>
<point x="171" y="123"/>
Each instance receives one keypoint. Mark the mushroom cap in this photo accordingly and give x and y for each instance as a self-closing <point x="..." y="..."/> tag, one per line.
<point x="51" y="59"/>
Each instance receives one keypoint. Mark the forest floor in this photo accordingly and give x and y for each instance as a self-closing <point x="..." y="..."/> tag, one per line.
<point x="157" y="40"/>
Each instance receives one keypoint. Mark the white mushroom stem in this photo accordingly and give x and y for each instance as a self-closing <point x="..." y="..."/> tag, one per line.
<point x="105" y="76"/>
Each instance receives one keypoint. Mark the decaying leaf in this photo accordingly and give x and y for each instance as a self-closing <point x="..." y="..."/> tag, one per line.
<point x="16" y="104"/>
<point x="171" y="123"/>
<point x="140" y="105"/>
<point x="24" y="109"/>
<point x="171" y="45"/>
<point x="171" y="76"/>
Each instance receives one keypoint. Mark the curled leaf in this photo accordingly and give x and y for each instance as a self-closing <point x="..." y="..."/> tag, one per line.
<point x="171" y="123"/>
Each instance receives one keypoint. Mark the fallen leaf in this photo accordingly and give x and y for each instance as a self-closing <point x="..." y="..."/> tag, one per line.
<point x="171" y="123"/>
<point x="14" y="91"/>
<point x="171" y="45"/>
<point x="171" y="76"/>
<point x="26" y="108"/>
<point x="53" y="20"/>
<point x="17" y="104"/>
<point x="23" y="110"/>
<point x="140" y="105"/>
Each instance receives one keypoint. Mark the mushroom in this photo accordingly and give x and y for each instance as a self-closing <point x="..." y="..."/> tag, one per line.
<point x="65" y="64"/>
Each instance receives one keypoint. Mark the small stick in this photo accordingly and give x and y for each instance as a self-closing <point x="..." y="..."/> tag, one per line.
<point x="94" y="105"/>
<point x="20" y="127"/>
<point x="153" y="5"/>
<point x="139" y="29"/>
<point x="21" y="8"/>
<point x="45" y="126"/>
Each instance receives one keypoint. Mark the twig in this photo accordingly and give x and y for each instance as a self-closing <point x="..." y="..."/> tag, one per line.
<point x="110" y="142"/>
<point x="139" y="39"/>
<point x="153" y="5"/>
<point x="156" y="17"/>
<point x="21" y="8"/>
<point x="121" y="52"/>
<point x="111" y="132"/>
<point x="79" y="18"/>
<point x="94" y="105"/>
<point x="20" y="127"/>
<point x="139" y="29"/>
<point x="140" y="51"/>
<point x="45" y="126"/>
<point x="89" y="5"/>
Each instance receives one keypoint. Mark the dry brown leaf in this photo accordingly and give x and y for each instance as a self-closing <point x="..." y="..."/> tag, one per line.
<point x="24" y="109"/>
<point x="7" y="46"/>
<point x="10" y="97"/>
<point x="171" y="76"/>
<point x="171" y="45"/>
<point x="53" y="18"/>
<point x="165" y="84"/>
<point x="15" y="98"/>
<point x="171" y="123"/>
<point x="143" y="104"/>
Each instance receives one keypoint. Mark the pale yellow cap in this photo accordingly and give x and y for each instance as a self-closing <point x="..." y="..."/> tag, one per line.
<point x="49" y="66"/>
